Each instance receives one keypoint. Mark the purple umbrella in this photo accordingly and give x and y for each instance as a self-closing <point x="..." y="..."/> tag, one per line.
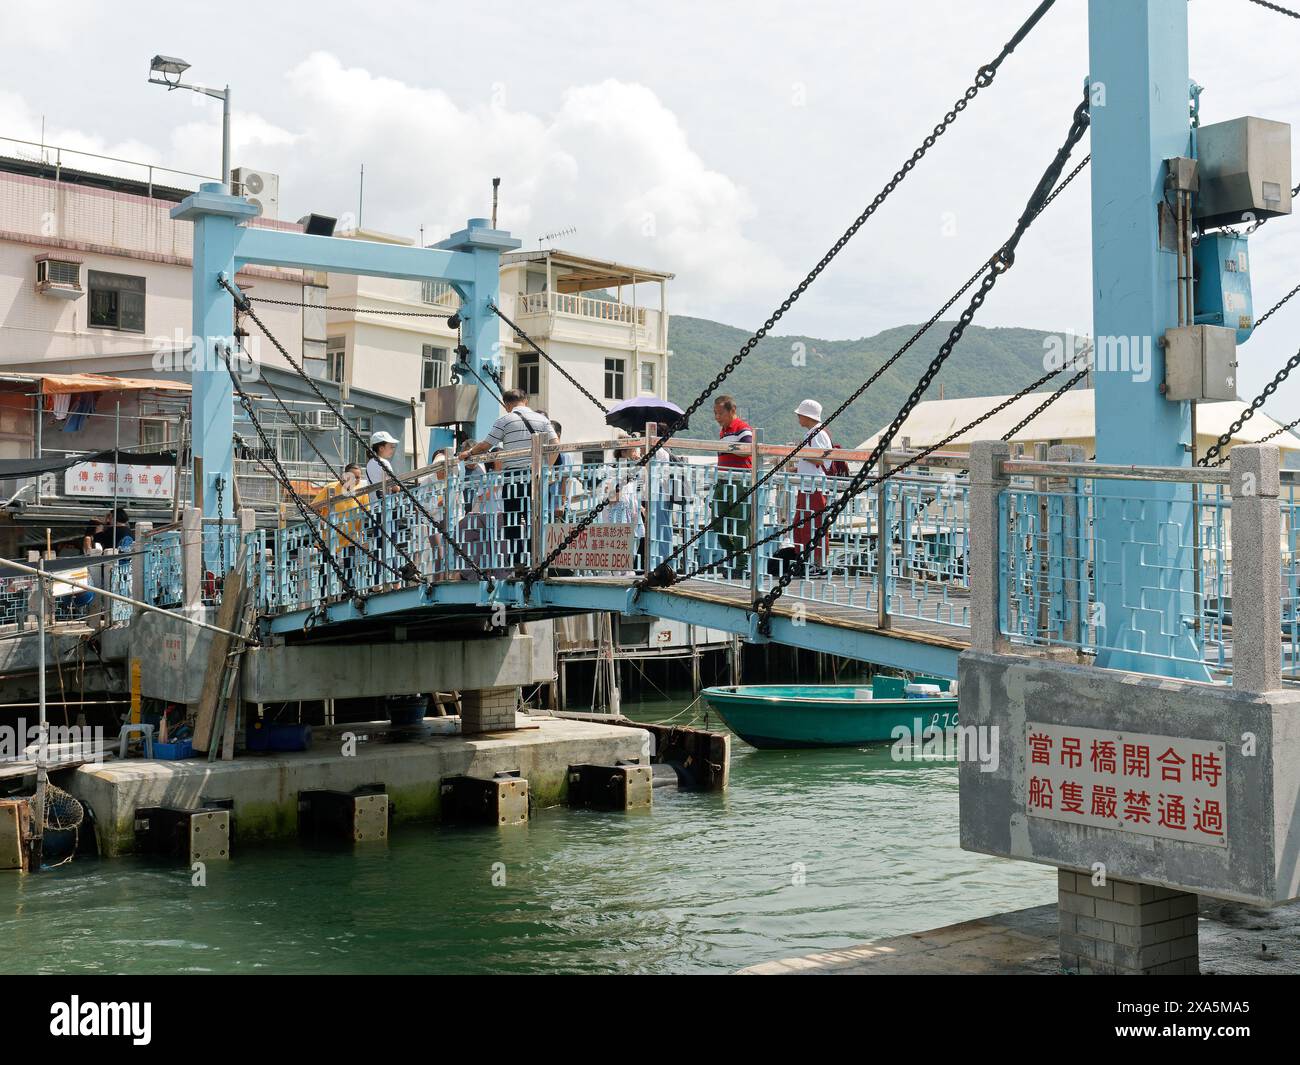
<point x="631" y="415"/>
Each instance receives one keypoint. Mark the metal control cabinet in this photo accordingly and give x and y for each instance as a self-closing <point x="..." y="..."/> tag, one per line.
<point x="1200" y="363"/>
<point x="1223" y="284"/>
<point x="1244" y="168"/>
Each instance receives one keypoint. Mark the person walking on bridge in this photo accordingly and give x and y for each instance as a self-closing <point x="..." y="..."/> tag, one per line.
<point x="810" y="499"/>
<point x="514" y="431"/>
<point x="730" y="512"/>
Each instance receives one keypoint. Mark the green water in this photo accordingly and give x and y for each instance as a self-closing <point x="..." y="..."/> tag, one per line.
<point x="807" y="851"/>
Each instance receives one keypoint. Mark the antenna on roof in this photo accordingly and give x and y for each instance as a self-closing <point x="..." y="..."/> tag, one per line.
<point x="496" y="186"/>
<point x="567" y="232"/>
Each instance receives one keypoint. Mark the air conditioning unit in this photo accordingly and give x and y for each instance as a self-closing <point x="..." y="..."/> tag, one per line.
<point x="323" y="420"/>
<point x="259" y="187"/>
<point x="60" y="278"/>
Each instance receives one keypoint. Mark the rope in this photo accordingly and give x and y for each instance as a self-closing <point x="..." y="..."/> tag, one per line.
<point x="983" y="78"/>
<point x="242" y="302"/>
<point x="998" y="265"/>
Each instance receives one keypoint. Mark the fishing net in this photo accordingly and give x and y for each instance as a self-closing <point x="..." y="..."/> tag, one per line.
<point x="62" y="810"/>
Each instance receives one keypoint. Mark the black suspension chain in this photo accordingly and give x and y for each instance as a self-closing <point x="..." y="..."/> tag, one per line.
<point x="1274" y="309"/>
<point x="983" y="79"/>
<point x="242" y="302"/>
<point x="1217" y="447"/>
<point x="353" y="310"/>
<point x="663" y="574"/>
<point x="1010" y="435"/>
<point x="411" y="570"/>
<point x="221" y="524"/>
<point x="1275" y="433"/>
<point x="998" y="265"/>
<point x="1278" y="8"/>
<point x="912" y="460"/>
<point x="308" y="516"/>
<point x="534" y="345"/>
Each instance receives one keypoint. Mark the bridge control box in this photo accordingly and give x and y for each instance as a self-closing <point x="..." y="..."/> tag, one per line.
<point x="1200" y="363"/>
<point x="1222" y="268"/>
<point x="1244" y="171"/>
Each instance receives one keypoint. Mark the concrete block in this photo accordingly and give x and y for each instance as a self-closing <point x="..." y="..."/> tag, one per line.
<point x="1119" y="912"/>
<point x="1085" y="886"/>
<point x="606" y="787"/>
<point x="350" y="816"/>
<point x="488" y="710"/>
<point x="501" y="800"/>
<point x="192" y="835"/>
<point x="1077" y="904"/>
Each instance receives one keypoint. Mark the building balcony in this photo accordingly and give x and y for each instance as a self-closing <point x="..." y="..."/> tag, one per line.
<point x="579" y="317"/>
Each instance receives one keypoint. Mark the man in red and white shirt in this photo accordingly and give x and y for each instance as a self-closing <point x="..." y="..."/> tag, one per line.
<point x="810" y="500"/>
<point x="730" y="513"/>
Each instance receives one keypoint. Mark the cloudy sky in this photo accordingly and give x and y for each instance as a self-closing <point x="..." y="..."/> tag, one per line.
<point x="730" y="143"/>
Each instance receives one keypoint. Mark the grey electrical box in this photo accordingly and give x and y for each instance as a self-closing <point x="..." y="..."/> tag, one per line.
<point x="450" y="404"/>
<point x="1244" y="169"/>
<point x="1200" y="363"/>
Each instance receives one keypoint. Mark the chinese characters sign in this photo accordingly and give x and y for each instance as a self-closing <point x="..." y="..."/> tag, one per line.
<point x="603" y="547"/>
<point x="104" y="481"/>
<point x="1153" y="785"/>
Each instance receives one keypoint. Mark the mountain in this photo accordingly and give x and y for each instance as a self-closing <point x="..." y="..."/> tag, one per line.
<point x="770" y="382"/>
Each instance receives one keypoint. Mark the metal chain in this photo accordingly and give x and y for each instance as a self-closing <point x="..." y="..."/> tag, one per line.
<point x="919" y="456"/>
<point x="1044" y="405"/>
<point x="1274" y="309"/>
<point x="242" y="302"/>
<point x="411" y="570"/>
<point x="354" y="310"/>
<point x="1265" y="439"/>
<point x="1278" y="8"/>
<point x="998" y="265"/>
<point x="1249" y="412"/>
<point x="663" y="575"/>
<point x="983" y="79"/>
<point x="307" y="515"/>
<point x="533" y="344"/>
<point x="221" y="524"/>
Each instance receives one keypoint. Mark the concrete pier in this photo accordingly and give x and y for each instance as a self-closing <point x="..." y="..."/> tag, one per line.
<point x="263" y="789"/>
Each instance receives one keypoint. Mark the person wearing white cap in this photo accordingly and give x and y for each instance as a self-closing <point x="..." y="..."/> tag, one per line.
<point x="810" y="500"/>
<point x="379" y="470"/>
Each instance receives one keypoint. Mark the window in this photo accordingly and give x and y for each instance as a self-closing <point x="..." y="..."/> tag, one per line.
<point x="336" y="359"/>
<point x="357" y="451"/>
<point x="614" y="372"/>
<point x="528" y="373"/>
<point x="433" y="367"/>
<point x="116" y="302"/>
<point x="157" y="433"/>
<point x="647" y="377"/>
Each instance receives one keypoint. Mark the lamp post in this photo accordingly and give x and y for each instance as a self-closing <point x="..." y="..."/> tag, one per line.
<point x="169" y="70"/>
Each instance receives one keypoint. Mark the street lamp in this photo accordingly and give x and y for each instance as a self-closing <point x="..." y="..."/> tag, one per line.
<point x="169" y="70"/>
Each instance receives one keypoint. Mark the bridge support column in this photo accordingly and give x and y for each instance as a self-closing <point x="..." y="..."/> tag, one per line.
<point x="192" y="559"/>
<point x="488" y="710"/>
<point x="1120" y="928"/>
<point x="1256" y="569"/>
<point x="986" y="484"/>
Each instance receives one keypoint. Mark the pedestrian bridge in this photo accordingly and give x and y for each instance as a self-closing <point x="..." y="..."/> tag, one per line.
<point x="1132" y="568"/>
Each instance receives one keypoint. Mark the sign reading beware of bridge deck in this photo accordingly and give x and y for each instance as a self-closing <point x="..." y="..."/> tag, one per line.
<point x="1153" y="785"/>
<point x="600" y="547"/>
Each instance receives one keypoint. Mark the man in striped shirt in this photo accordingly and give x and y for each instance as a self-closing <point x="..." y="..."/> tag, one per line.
<point x="514" y="431"/>
<point x="730" y="512"/>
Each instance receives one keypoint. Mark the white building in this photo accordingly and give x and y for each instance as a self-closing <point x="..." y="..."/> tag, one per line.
<point x="590" y="315"/>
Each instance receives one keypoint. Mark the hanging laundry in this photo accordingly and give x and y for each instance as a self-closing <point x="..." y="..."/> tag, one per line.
<point x="83" y="404"/>
<point x="61" y="403"/>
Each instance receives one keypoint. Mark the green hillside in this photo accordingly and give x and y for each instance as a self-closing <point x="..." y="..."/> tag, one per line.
<point x="767" y="385"/>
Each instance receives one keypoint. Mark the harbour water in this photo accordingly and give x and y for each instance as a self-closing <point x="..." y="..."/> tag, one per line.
<point x="806" y="851"/>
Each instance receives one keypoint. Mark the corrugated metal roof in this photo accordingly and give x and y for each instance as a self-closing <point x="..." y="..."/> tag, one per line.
<point x="1069" y="418"/>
